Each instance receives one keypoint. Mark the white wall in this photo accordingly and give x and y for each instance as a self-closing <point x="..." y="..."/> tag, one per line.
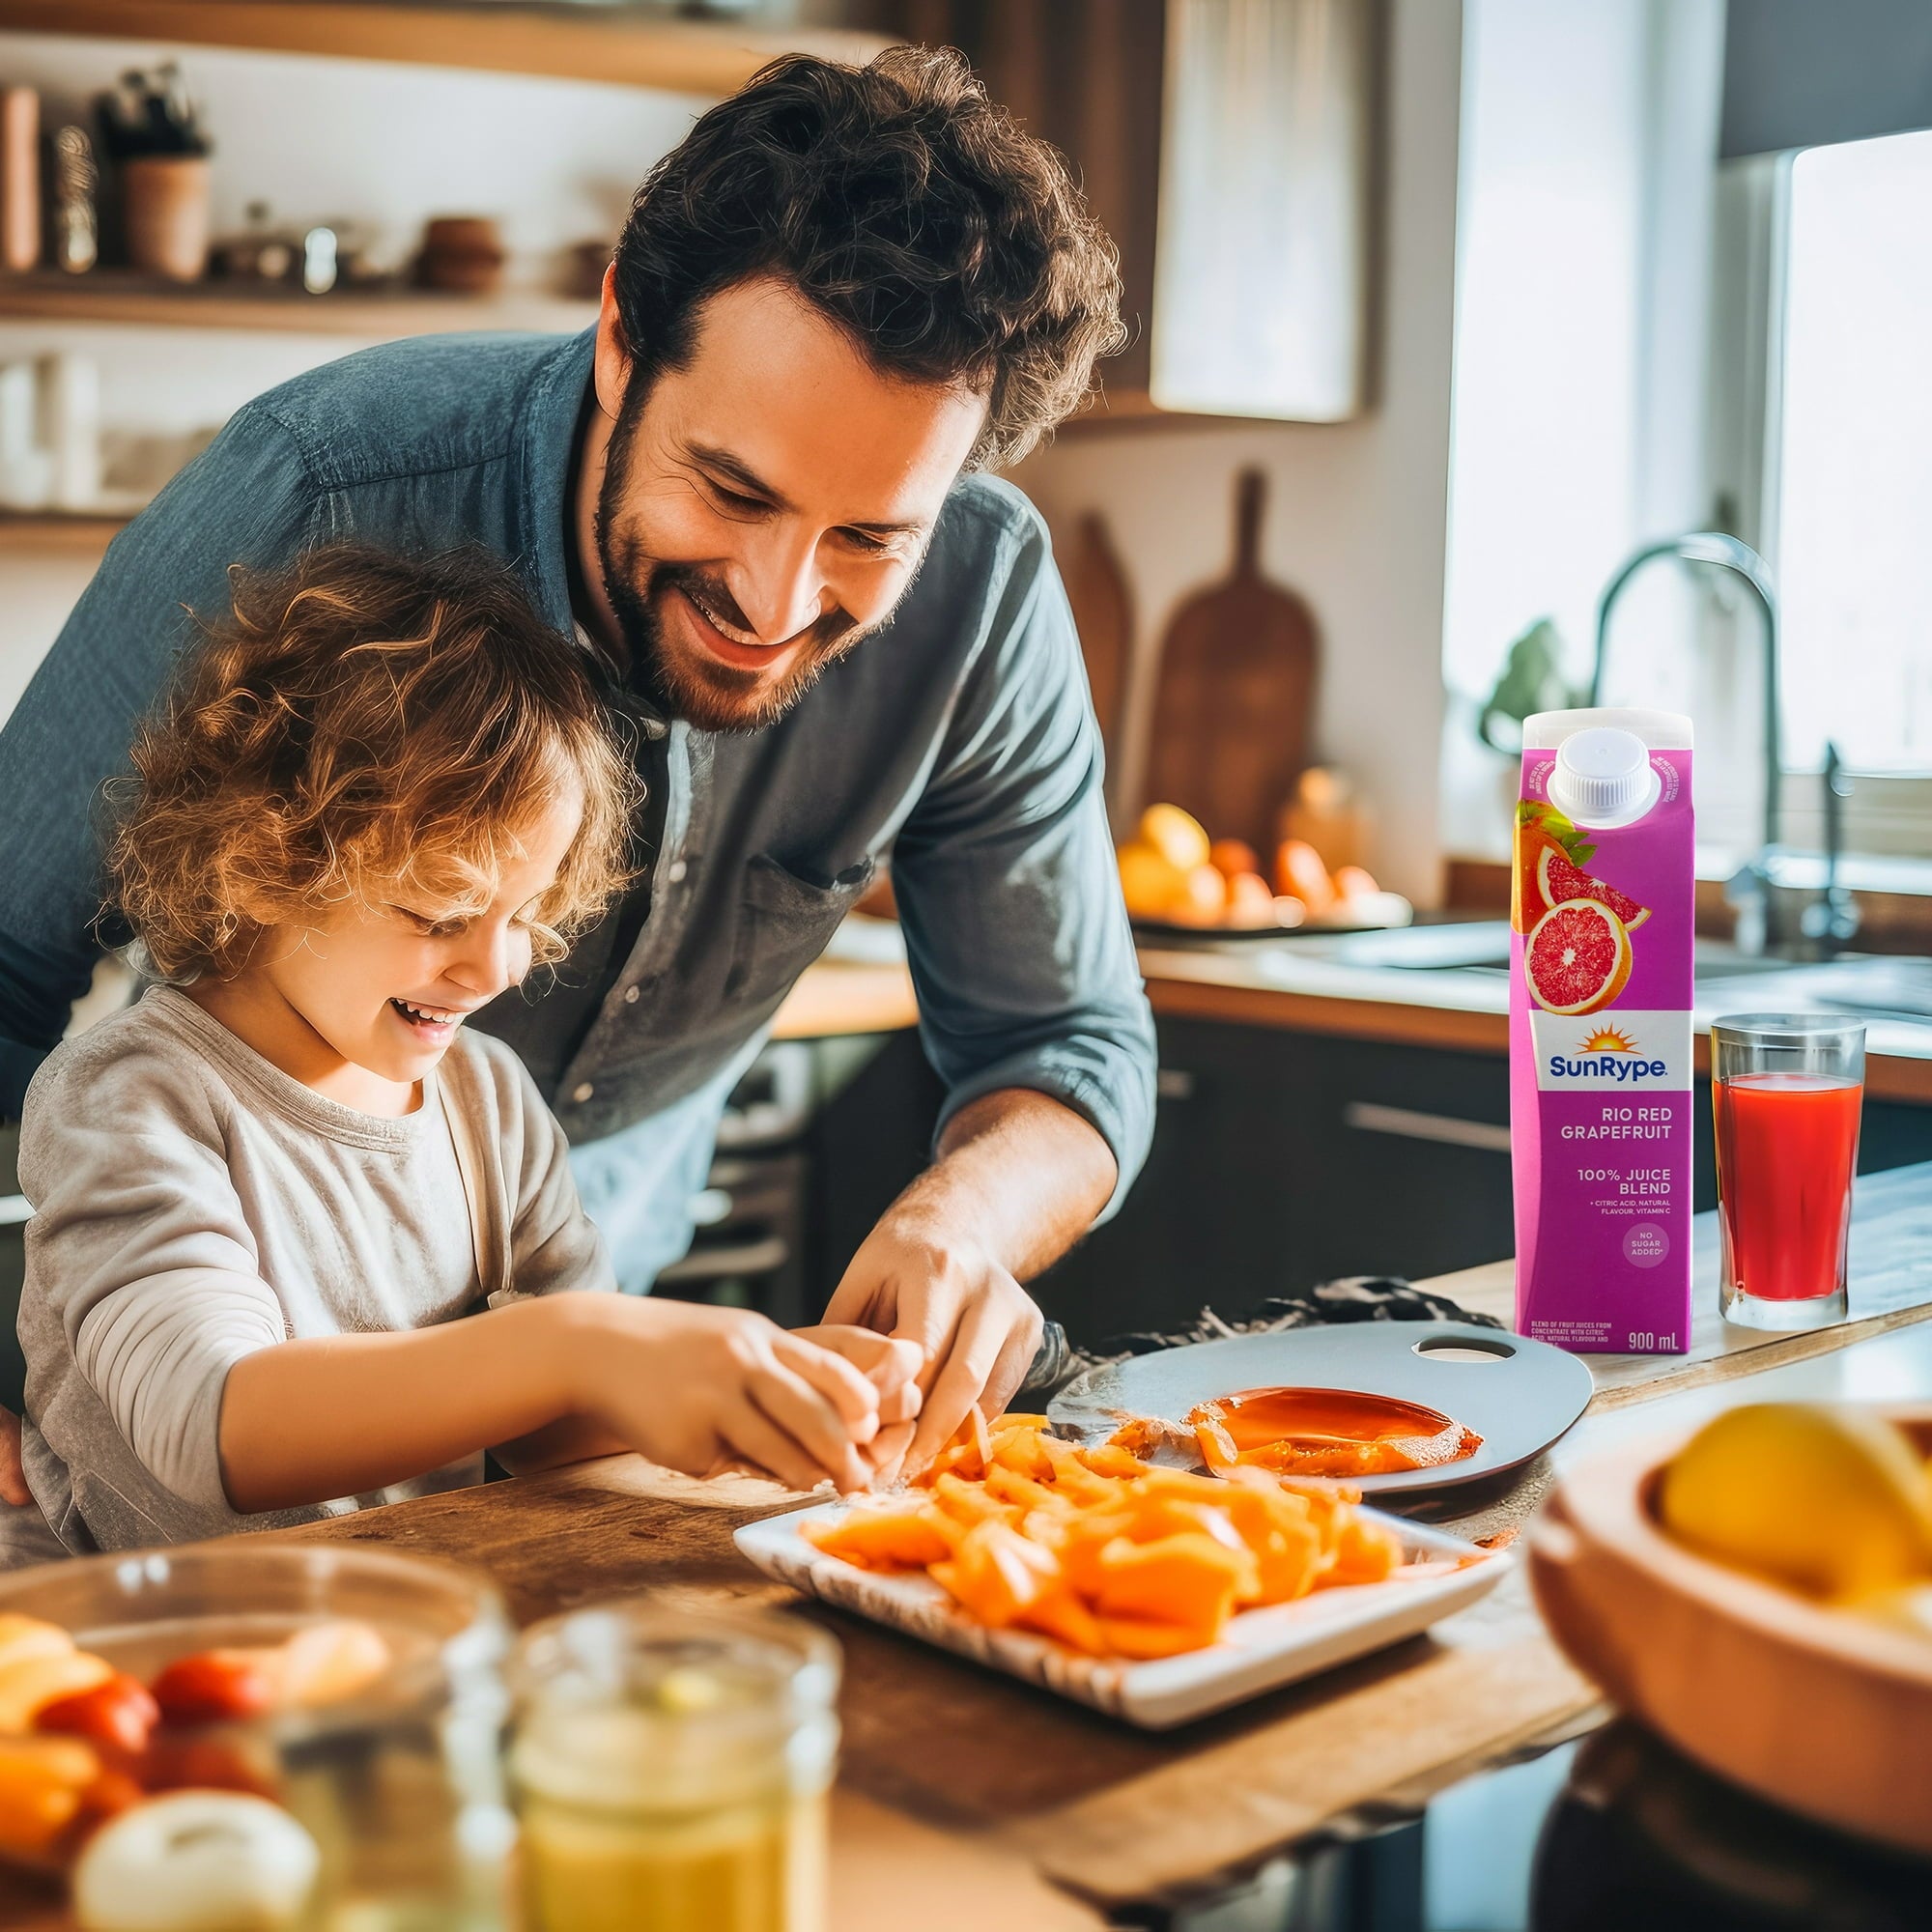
<point x="1356" y="511"/>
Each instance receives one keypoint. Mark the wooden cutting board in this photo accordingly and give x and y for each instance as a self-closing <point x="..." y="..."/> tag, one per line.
<point x="1103" y="614"/>
<point x="1235" y="691"/>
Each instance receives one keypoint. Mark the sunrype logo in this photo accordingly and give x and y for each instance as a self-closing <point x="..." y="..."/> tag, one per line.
<point x="1609" y="1054"/>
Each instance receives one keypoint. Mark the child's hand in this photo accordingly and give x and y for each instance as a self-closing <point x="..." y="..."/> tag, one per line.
<point x="891" y="1365"/>
<point x="693" y="1386"/>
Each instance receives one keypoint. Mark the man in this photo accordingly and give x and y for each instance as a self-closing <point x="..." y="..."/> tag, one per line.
<point x="756" y="494"/>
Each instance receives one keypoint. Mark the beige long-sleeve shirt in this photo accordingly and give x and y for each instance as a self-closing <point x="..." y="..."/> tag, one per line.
<point x="193" y="1204"/>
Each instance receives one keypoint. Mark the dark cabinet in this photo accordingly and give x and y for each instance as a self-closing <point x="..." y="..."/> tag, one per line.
<point x="1281" y="1159"/>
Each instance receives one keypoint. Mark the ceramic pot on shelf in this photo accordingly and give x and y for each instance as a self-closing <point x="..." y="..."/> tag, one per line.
<point x="166" y="209"/>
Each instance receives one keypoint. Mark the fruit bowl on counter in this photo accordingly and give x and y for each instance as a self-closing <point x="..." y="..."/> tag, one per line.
<point x="1760" y="1593"/>
<point x="1181" y="883"/>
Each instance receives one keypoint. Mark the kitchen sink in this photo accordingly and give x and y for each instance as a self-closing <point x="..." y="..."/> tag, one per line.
<point x="1482" y="946"/>
<point x="1884" y="988"/>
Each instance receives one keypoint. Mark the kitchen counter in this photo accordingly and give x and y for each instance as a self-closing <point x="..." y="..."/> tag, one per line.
<point x="967" y="1799"/>
<point x="1011" y="1787"/>
<point x="1366" y="986"/>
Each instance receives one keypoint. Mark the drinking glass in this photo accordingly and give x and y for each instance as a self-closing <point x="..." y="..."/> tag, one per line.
<point x="672" y="1769"/>
<point x="1787" y="1090"/>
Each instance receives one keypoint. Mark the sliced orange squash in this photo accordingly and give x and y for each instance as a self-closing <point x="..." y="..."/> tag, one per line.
<point x="906" y="1537"/>
<point x="1365" y="1553"/>
<point x="1106" y="1553"/>
<point x="1135" y="1638"/>
<point x="1011" y="1486"/>
<point x="1187" y="1579"/>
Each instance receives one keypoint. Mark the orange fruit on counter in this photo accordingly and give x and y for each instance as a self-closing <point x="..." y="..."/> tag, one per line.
<point x="1203" y="900"/>
<point x="1250" y="903"/>
<point x="1231" y="857"/>
<point x="1177" y="836"/>
<point x="1151" y="882"/>
<point x="1299" y="873"/>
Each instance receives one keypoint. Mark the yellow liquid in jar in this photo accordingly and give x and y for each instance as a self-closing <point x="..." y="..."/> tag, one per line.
<point x="757" y="1866"/>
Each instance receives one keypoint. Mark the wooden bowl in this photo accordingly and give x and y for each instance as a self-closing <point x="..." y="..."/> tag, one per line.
<point x="1815" y="1709"/>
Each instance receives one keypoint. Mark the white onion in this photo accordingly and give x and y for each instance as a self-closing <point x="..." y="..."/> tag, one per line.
<point x="196" y="1861"/>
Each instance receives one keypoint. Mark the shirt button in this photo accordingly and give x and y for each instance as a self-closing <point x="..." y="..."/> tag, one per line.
<point x="675" y="872"/>
<point x="631" y="994"/>
<point x="581" y="1092"/>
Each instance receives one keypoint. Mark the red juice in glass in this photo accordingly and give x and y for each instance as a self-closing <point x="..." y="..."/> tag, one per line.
<point x="1786" y="1093"/>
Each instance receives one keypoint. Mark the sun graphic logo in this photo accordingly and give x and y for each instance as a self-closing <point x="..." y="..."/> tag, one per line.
<point x="1607" y="1040"/>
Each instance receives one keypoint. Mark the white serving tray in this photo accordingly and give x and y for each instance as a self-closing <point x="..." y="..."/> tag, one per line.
<point x="1261" y="1650"/>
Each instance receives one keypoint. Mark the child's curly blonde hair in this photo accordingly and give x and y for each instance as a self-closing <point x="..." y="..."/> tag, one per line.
<point x="363" y="717"/>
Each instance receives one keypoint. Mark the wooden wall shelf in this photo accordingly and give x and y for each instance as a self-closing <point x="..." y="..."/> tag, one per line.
<point x="81" y="532"/>
<point x="629" y="49"/>
<point x="112" y="296"/>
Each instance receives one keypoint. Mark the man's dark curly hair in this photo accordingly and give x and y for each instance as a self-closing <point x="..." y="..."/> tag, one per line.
<point x="903" y="205"/>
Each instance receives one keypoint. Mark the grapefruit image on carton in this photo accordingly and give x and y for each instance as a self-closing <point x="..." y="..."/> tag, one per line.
<point x="1558" y="881"/>
<point x="1578" y="957"/>
<point x="1549" y="855"/>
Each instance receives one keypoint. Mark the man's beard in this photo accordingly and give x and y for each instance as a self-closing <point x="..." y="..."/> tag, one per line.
<point x="711" y="696"/>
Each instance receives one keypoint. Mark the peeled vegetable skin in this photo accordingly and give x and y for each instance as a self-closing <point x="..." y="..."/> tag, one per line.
<point x="1827" y="1499"/>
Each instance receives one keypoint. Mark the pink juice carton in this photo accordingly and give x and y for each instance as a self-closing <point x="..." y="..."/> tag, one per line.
<point x="1600" y="1031"/>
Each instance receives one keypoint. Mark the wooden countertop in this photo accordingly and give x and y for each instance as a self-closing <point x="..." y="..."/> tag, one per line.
<point x="967" y="1799"/>
<point x="1016" y="1785"/>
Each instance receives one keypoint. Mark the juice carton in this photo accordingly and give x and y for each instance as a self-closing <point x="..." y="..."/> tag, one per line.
<point x="1600" y="1031"/>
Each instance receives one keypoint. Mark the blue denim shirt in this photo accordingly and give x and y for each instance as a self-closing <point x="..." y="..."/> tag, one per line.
<point x="959" y="741"/>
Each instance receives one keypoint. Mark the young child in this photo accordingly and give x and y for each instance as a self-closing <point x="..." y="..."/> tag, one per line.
<point x="372" y="801"/>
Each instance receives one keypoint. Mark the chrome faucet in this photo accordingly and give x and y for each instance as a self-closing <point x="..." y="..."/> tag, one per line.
<point x="1832" y="917"/>
<point x="1748" y="889"/>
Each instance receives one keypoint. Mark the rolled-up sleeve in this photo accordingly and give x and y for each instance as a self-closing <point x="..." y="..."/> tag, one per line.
<point x="1006" y="886"/>
<point x="249" y="499"/>
<point x="142" y="1271"/>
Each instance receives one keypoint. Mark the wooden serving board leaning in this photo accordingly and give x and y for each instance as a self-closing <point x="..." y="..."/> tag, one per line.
<point x="1236" y="691"/>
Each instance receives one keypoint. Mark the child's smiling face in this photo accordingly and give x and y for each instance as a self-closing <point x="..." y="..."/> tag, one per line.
<point x="362" y="1006"/>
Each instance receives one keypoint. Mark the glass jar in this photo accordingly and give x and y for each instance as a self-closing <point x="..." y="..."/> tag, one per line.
<point x="400" y="1784"/>
<point x="671" y="1770"/>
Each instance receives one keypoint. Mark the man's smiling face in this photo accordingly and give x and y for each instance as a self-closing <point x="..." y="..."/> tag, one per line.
<point x="767" y="503"/>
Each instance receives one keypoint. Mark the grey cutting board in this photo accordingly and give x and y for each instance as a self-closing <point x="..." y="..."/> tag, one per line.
<point x="1518" y="1399"/>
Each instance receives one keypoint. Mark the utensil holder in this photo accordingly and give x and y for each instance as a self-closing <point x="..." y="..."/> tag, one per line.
<point x="166" y="207"/>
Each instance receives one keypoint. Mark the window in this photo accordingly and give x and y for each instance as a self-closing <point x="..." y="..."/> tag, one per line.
<point x="1851" y="460"/>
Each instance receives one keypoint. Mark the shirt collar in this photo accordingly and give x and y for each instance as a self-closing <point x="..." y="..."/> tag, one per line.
<point x="547" y="434"/>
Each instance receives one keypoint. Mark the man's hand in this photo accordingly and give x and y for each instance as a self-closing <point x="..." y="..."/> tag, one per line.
<point x="976" y="1327"/>
<point x="1019" y="1179"/>
<point x="12" y="1475"/>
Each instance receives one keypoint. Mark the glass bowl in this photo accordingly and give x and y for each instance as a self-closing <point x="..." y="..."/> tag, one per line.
<point x="400" y="1784"/>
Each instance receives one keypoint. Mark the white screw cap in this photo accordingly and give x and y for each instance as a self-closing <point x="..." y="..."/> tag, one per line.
<point x="1603" y="777"/>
